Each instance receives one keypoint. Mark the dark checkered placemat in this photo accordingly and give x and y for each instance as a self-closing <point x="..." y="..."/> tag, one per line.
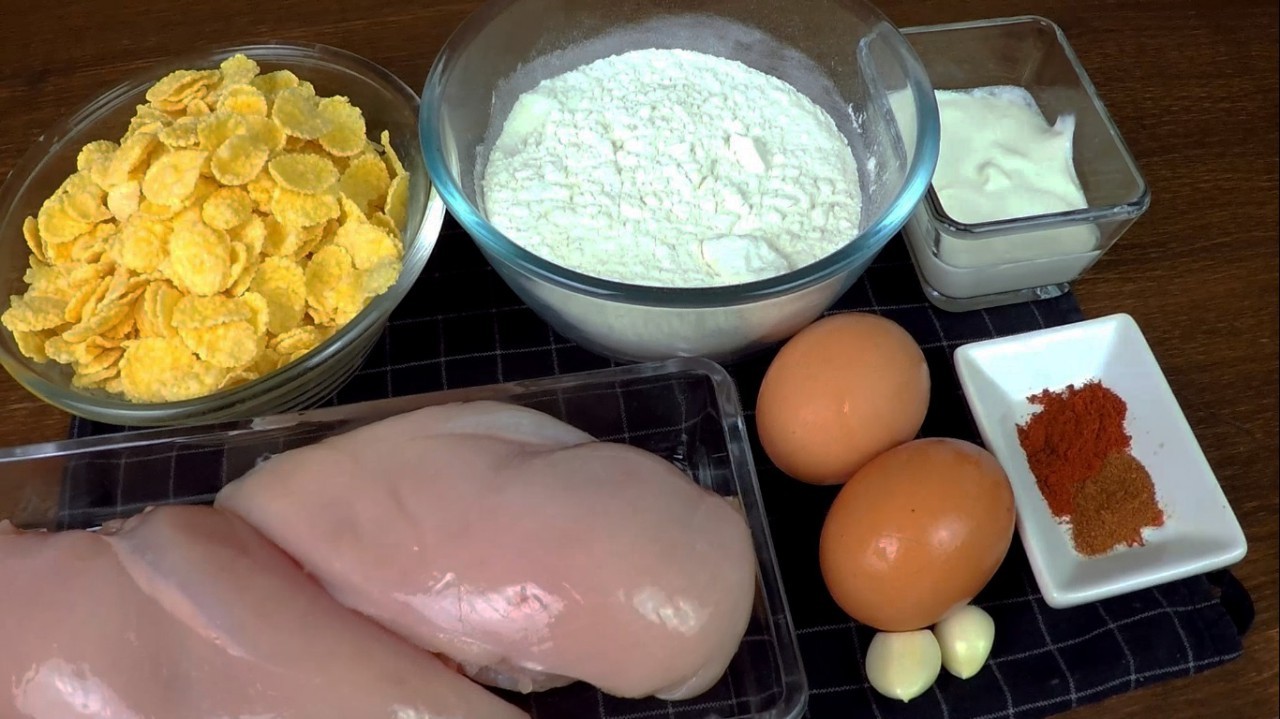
<point x="461" y="326"/>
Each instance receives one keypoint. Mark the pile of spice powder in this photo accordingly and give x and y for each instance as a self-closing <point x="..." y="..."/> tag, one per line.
<point x="1079" y="452"/>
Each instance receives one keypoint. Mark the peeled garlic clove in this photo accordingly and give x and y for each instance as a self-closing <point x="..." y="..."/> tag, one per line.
<point x="965" y="637"/>
<point x="902" y="665"/>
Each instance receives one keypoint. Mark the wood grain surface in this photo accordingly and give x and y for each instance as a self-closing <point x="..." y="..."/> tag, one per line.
<point x="1192" y="85"/>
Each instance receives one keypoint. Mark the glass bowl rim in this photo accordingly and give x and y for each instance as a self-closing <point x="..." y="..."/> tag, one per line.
<point x="496" y="244"/>
<point x="58" y="138"/>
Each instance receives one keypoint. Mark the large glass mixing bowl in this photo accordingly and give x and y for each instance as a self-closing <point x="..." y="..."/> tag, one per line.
<point x="843" y="54"/>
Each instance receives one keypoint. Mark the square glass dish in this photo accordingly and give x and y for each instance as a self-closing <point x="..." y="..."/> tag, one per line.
<point x="1200" y="531"/>
<point x="685" y="410"/>
<point x="971" y="266"/>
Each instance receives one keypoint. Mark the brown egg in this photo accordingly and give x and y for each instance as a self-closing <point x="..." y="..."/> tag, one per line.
<point x="841" y="391"/>
<point x="916" y="532"/>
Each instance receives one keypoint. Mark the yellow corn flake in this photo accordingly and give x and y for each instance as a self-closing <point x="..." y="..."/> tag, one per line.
<point x="162" y="369"/>
<point x="173" y="177"/>
<point x="89" y="247"/>
<point x="31" y="344"/>
<point x="31" y="233"/>
<point x="238" y="69"/>
<point x="159" y="302"/>
<point x="100" y="364"/>
<point x="144" y="244"/>
<point x="298" y="114"/>
<point x="333" y="284"/>
<point x="252" y="235"/>
<point x="124" y="199"/>
<point x="282" y="283"/>
<point x="242" y="268"/>
<point x="104" y="316"/>
<point x="181" y="84"/>
<point x="394" y="166"/>
<point x="198" y="312"/>
<point x="132" y="153"/>
<point x="259" y="311"/>
<point x="365" y="181"/>
<point x="205" y="187"/>
<point x="345" y="135"/>
<point x="303" y="172"/>
<point x="198" y="108"/>
<point x="32" y="313"/>
<point x="273" y="83"/>
<point x="218" y="127"/>
<point x="295" y="209"/>
<point x="199" y="258"/>
<point x="238" y="160"/>
<point x="237" y="378"/>
<point x="183" y="133"/>
<point x="227" y="345"/>
<point x="148" y="120"/>
<point x="261" y="189"/>
<point x="227" y="208"/>
<point x="313" y="238"/>
<point x="380" y="277"/>
<point x="366" y="244"/>
<point x="95" y="154"/>
<point x="244" y="100"/>
<point x="397" y="205"/>
<point x="380" y="220"/>
<point x="60" y="281"/>
<point x="60" y="351"/>
<point x="83" y="199"/>
<point x="93" y="380"/>
<point x="300" y="339"/>
<point x="56" y="225"/>
<point x="265" y="132"/>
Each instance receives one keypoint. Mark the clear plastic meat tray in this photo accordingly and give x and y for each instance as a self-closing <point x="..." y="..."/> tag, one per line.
<point x="685" y="410"/>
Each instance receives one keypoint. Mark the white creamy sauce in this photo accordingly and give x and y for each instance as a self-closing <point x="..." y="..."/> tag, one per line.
<point x="999" y="159"/>
<point x="672" y="168"/>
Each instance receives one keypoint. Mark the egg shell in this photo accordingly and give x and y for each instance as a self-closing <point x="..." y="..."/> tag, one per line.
<point x="917" y="532"/>
<point x="838" y="393"/>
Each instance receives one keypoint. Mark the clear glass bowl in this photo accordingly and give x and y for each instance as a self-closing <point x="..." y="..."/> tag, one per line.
<point x="685" y="410"/>
<point x="387" y="104"/>
<point x="973" y="266"/>
<point x="843" y="54"/>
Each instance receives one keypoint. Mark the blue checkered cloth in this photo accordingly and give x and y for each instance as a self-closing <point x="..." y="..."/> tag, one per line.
<point x="461" y="326"/>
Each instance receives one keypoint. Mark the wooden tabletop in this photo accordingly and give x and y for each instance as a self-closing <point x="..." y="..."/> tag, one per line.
<point x="1191" y="84"/>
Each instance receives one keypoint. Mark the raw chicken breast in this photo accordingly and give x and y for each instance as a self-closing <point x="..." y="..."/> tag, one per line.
<point x="188" y="613"/>
<point x="517" y="546"/>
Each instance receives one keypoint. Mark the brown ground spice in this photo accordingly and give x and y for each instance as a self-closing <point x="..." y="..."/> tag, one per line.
<point x="1112" y="507"/>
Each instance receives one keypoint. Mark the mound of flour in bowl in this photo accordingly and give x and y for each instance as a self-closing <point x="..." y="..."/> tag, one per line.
<point x="672" y="168"/>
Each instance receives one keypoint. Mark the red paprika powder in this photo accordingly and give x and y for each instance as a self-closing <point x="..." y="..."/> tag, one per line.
<point x="1078" y="450"/>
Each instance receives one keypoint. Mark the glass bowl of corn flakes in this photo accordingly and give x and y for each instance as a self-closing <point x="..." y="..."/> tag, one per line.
<point x="222" y="236"/>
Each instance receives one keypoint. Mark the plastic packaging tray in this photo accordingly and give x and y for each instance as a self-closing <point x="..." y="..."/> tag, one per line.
<point x="685" y="410"/>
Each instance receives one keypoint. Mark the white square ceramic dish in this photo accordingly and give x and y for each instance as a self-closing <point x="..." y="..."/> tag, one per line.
<point x="1200" y="532"/>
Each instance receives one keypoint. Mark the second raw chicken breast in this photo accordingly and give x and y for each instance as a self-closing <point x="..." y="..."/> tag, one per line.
<point x="517" y="546"/>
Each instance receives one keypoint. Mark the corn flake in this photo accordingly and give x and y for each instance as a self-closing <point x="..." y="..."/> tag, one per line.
<point x="346" y="133"/>
<point x="227" y="345"/>
<point x="173" y="177"/>
<point x="295" y="209"/>
<point x="252" y="235"/>
<point x="124" y="199"/>
<point x="132" y="153"/>
<point x="365" y="181"/>
<point x="300" y="339"/>
<point x="183" y="133"/>
<point x="397" y="205"/>
<point x="282" y="283"/>
<point x="238" y="70"/>
<point x="265" y="132"/>
<point x="273" y="83"/>
<point x="227" y="208"/>
<point x="56" y="225"/>
<point x="303" y="172"/>
<point x="31" y="344"/>
<point x="95" y="154"/>
<point x="366" y="244"/>
<point x="298" y="114"/>
<point x="162" y="369"/>
<point x="244" y="100"/>
<point x="394" y="166"/>
<point x="238" y="160"/>
<point x="199" y="258"/>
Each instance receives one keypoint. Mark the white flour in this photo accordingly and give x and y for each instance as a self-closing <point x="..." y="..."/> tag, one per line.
<point x="672" y="168"/>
